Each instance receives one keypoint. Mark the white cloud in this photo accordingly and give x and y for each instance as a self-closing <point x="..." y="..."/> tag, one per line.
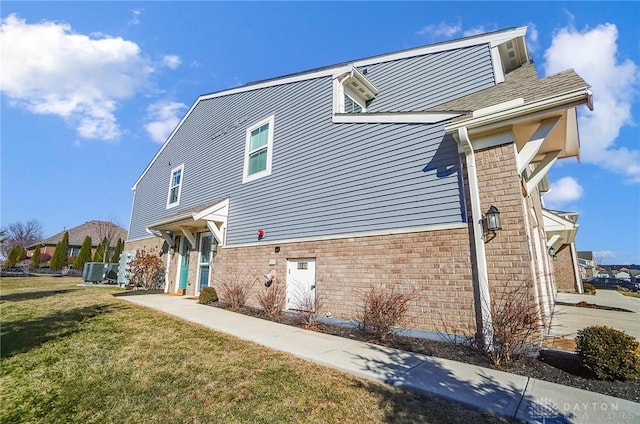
<point x="172" y="61"/>
<point x="49" y="69"/>
<point x="614" y="83"/>
<point x="135" y="17"/>
<point x="532" y="37"/>
<point x="474" y="31"/>
<point x="162" y="118"/>
<point x="563" y="192"/>
<point x="441" y="30"/>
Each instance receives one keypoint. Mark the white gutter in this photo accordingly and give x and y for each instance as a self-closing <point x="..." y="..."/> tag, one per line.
<point x="478" y="242"/>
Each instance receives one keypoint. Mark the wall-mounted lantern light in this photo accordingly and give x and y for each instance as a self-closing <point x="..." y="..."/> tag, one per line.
<point x="553" y="253"/>
<point x="491" y="222"/>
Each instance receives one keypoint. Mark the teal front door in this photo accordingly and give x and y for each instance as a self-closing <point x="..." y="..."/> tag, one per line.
<point x="184" y="264"/>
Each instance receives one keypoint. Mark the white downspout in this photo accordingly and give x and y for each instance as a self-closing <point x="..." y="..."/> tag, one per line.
<point x="481" y="257"/>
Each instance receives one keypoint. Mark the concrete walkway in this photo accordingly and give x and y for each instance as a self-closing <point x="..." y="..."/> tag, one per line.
<point x="567" y="320"/>
<point x="524" y="398"/>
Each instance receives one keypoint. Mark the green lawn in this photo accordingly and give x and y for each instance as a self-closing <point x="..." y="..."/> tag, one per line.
<point x="78" y="354"/>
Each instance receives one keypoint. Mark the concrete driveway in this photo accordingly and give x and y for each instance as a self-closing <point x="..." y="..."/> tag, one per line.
<point x="567" y="320"/>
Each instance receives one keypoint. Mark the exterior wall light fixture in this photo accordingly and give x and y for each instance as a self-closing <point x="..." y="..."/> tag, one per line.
<point x="491" y="222"/>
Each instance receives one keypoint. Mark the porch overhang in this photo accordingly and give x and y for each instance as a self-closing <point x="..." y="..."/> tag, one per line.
<point x="560" y="227"/>
<point x="212" y="217"/>
<point x="543" y="131"/>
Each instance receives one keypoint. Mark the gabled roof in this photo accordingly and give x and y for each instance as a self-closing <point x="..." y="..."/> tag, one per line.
<point x="520" y="83"/>
<point x="493" y="39"/>
<point x="94" y="229"/>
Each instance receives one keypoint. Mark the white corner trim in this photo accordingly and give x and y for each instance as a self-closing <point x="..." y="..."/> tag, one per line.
<point x="408" y="230"/>
<point x="496" y="62"/>
<point x="498" y="107"/>
<point x="393" y="117"/>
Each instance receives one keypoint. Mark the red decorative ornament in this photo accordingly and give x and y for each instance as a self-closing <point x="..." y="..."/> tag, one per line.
<point x="260" y="233"/>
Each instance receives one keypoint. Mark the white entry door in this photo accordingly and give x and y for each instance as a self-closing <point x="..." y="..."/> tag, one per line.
<point x="301" y="284"/>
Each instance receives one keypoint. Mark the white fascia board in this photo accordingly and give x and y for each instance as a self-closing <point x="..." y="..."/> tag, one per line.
<point x="393" y="117"/>
<point x="505" y="117"/>
<point x="496" y="62"/>
<point x="493" y="39"/>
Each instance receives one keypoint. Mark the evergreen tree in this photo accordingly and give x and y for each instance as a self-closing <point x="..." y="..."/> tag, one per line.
<point x="99" y="255"/>
<point x="84" y="255"/>
<point x="116" y="254"/>
<point x="14" y="256"/>
<point x="60" y="258"/>
<point x="35" y="259"/>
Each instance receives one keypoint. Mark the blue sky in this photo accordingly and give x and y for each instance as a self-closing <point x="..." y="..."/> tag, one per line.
<point x="90" y="90"/>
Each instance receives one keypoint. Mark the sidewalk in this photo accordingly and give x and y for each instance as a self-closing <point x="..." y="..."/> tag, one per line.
<point x="567" y="320"/>
<point x="524" y="398"/>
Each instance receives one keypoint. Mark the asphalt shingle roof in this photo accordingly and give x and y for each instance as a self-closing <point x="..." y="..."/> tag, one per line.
<point x="93" y="229"/>
<point x="522" y="82"/>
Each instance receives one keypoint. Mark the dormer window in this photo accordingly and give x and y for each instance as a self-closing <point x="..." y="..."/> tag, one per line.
<point x="352" y="92"/>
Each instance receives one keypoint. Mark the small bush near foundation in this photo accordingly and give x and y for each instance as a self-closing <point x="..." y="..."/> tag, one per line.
<point x="146" y="271"/>
<point x="272" y="298"/>
<point x="514" y="326"/>
<point x="589" y="289"/>
<point x="207" y="295"/>
<point x="307" y="307"/>
<point x="234" y="292"/>
<point x="381" y="310"/>
<point x="609" y="353"/>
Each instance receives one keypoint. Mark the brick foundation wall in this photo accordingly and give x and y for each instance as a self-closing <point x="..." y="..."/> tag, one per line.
<point x="434" y="266"/>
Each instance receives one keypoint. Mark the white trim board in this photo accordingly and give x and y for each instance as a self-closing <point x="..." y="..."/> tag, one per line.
<point x="408" y="230"/>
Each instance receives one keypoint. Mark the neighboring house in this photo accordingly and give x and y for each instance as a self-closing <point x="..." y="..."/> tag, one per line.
<point x="94" y="229"/>
<point x="623" y="274"/>
<point x="587" y="264"/>
<point x="378" y="171"/>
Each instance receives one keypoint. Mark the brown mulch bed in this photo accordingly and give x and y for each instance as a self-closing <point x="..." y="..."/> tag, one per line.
<point x="584" y="304"/>
<point x="554" y="366"/>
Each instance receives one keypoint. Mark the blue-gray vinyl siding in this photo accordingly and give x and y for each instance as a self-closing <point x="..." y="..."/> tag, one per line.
<point x="326" y="178"/>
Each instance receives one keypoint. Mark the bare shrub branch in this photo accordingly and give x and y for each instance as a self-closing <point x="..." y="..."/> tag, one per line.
<point x="146" y="271"/>
<point x="234" y="291"/>
<point x="381" y="310"/>
<point x="307" y="306"/>
<point x="272" y="298"/>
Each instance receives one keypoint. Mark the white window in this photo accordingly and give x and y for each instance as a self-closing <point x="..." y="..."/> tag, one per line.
<point x="258" y="150"/>
<point x="175" y="186"/>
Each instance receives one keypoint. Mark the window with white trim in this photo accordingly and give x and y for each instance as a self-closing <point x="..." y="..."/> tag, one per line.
<point x="258" y="150"/>
<point x="175" y="186"/>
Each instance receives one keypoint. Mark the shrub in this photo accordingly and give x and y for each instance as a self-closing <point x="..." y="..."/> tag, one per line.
<point x="272" y="298"/>
<point x="307" y="305"/>
<point x="589" y="289"/>
<point x="515" y="324"/>
<point x="234" y="292"/>
<point x="84" y="255"/>
<point x="207" y="295"/>
<point x="35" y="258"/>
<point x="60" y="258"/>
<point x="381" y="310"/>
<point x="146" y="271"/>
<point x="14" y="256"/>
<point x="609" y="353"/>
